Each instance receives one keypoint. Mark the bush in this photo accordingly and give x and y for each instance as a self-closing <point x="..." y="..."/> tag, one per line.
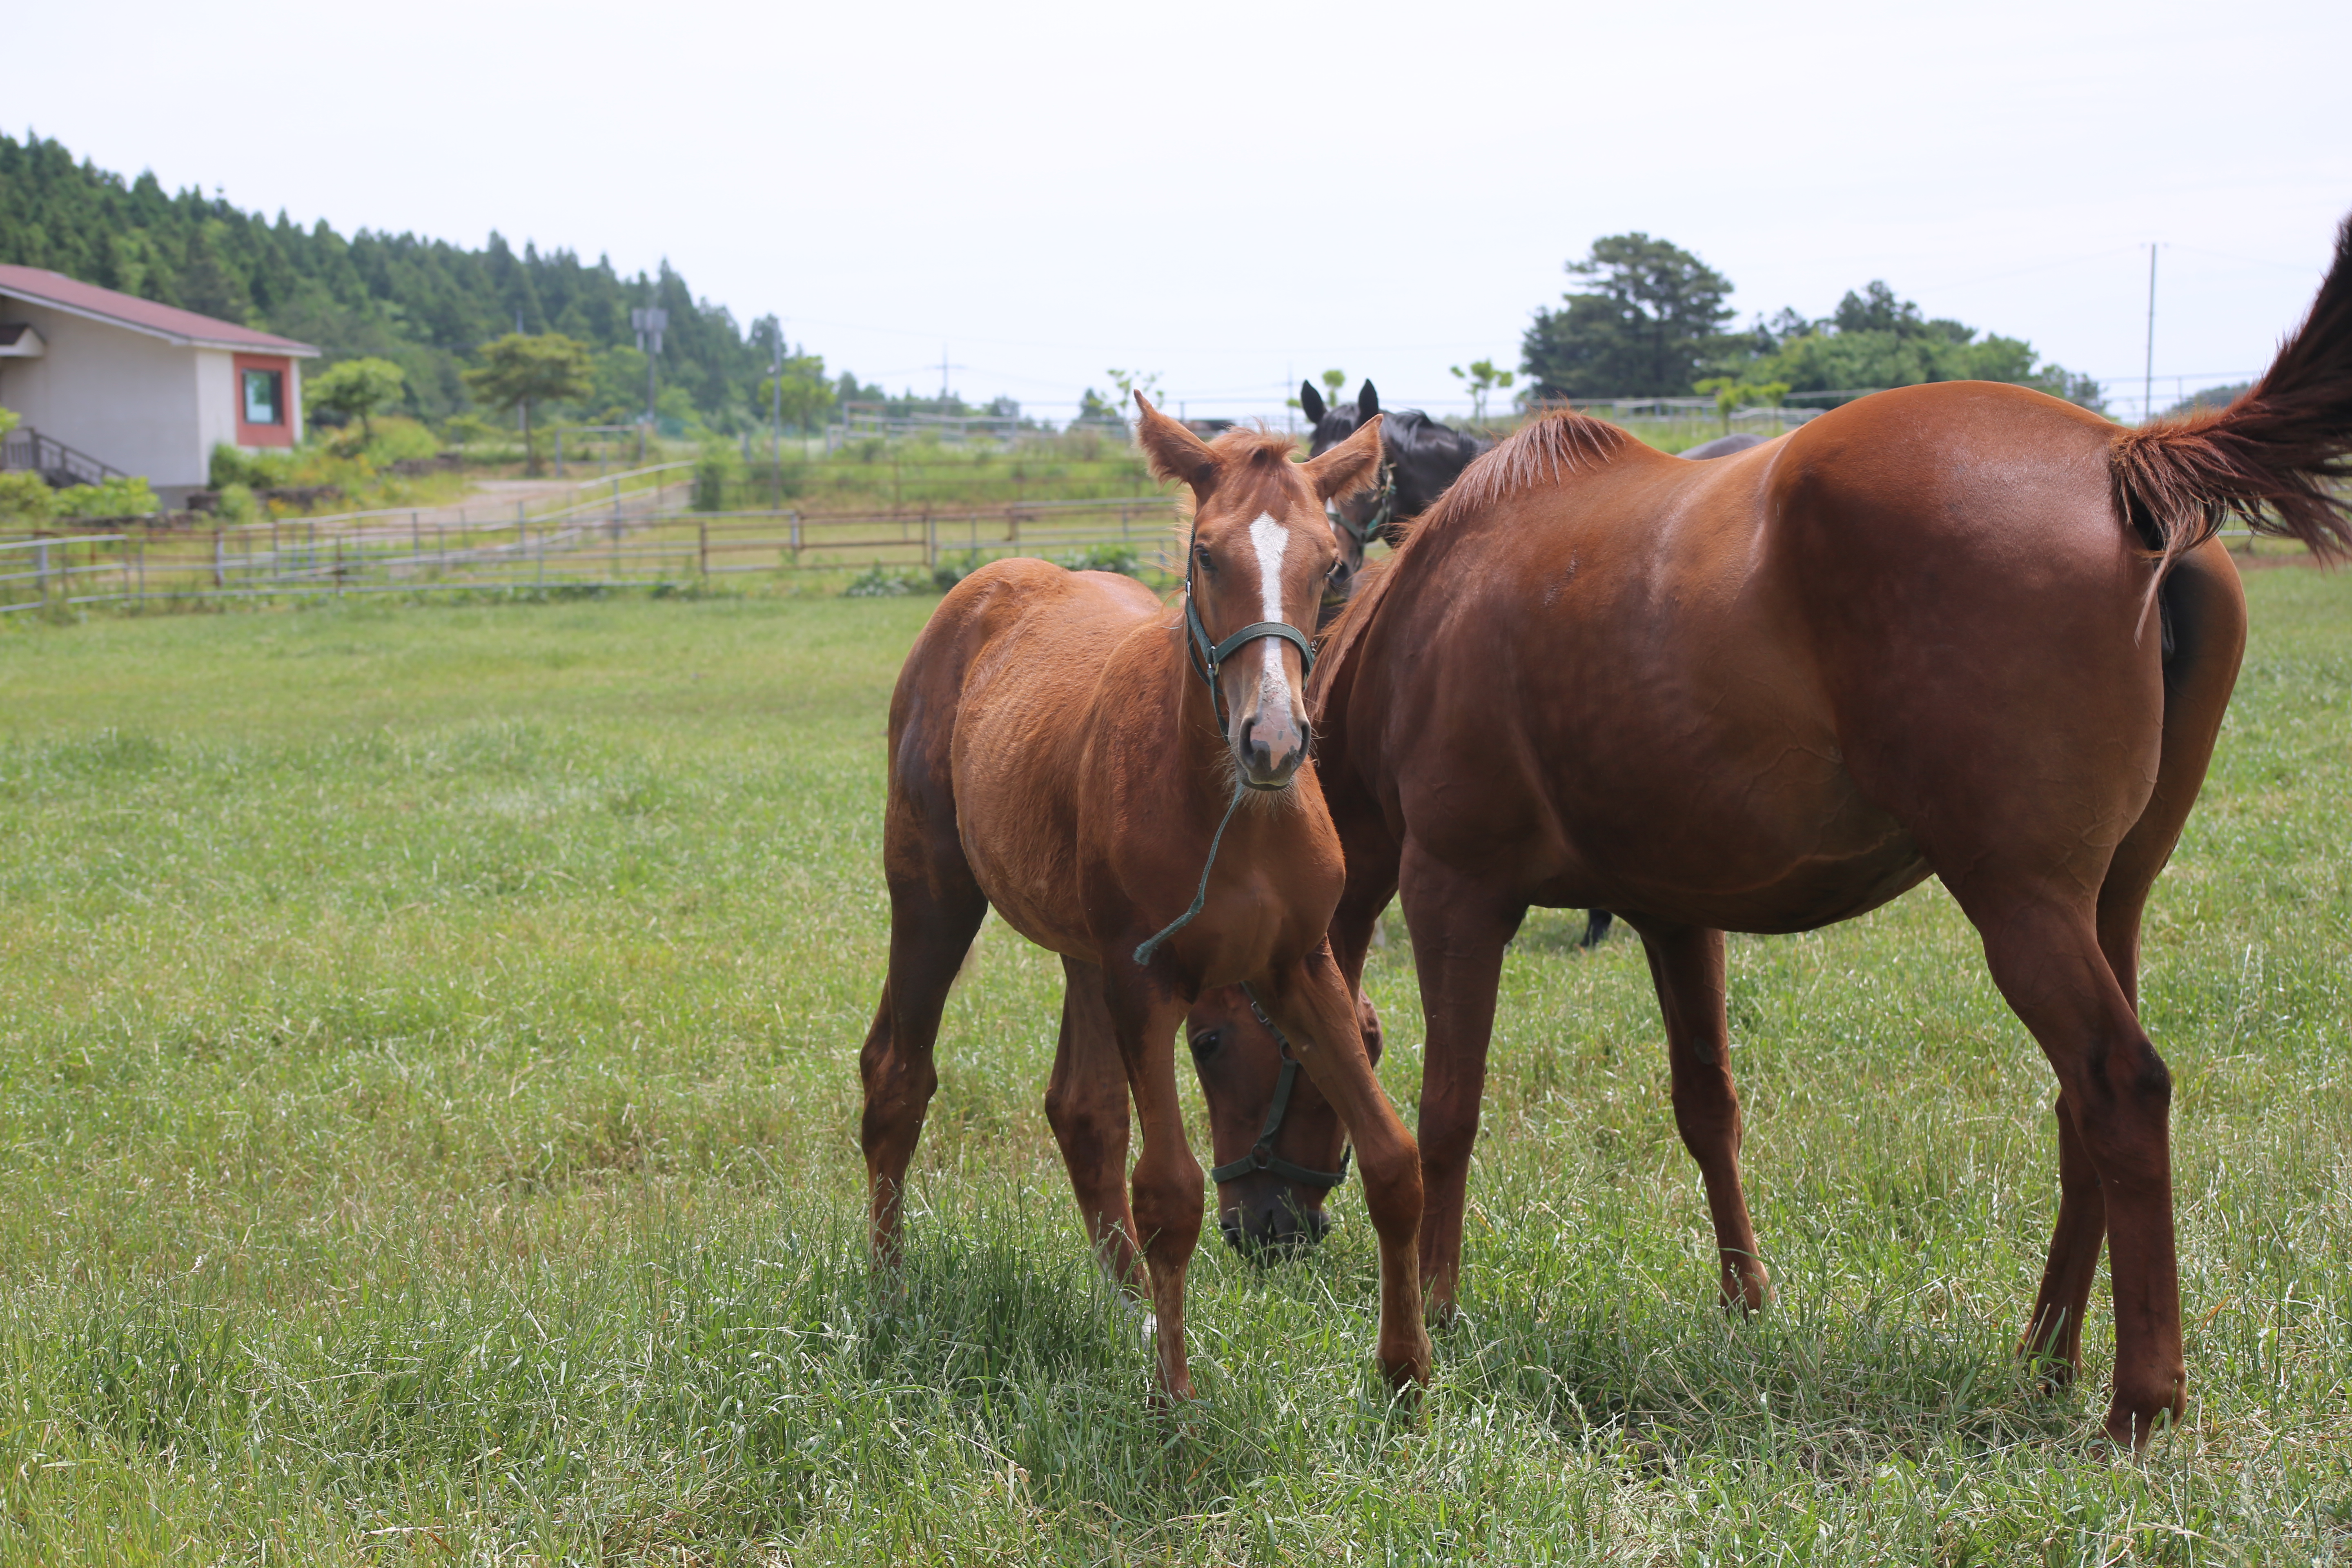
<point x="953" y="569"/>
<point x="115" y="497"/>
<point x="237" y="504"/>
<point x="717" y="469"/>
<point x="260" y="470"/>
<point x="880" y="582"/>
<point x="26" y="498"/>
<point x="1119" y="558"/>
<point x="399" y="438"/>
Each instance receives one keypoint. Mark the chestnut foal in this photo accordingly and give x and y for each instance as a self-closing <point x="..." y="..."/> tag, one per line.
<point x="1068" y="751"/>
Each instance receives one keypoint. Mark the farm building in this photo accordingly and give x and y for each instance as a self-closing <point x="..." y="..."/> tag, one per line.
<point x="110" y="384"/>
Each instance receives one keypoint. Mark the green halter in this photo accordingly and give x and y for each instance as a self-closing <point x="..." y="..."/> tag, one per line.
<point x="1262" y="1156"/>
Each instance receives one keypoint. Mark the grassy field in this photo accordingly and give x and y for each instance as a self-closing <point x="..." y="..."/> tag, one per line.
<point x="427" y="1116"/>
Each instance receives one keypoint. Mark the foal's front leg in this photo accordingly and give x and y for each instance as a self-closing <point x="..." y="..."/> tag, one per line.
<point x="1168" y="1185"/>
<point x="1310" y="1002"/>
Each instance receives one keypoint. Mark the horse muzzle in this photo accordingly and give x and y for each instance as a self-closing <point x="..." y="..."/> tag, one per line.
<point x="1270" y="750"/>
<point x="1269" y="1231"/>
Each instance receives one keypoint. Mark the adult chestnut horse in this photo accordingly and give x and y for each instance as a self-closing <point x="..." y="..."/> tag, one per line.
<point x="1961" y="629"/>
<point x="1066" y="748"/>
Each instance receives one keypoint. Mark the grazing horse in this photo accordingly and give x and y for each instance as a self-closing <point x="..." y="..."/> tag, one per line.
<point x="1722" y="446"/>
<point x="1065" y="749"/>
<point x="1963" y="629"/>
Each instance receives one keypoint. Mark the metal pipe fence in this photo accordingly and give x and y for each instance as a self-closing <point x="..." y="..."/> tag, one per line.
<point x="591" y="545"/>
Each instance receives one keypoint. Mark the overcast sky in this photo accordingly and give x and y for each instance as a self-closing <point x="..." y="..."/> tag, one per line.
<point x="1237" y="196"/>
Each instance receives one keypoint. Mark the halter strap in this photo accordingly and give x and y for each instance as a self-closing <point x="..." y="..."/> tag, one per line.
<point x="1383" y="510"/>
<point x="1262" y="1156"/>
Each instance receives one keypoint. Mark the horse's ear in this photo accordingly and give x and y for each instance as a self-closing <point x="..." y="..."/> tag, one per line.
<point x="1367" y="401"/>
<point x="1349" y="466"/>
<point x="1310" y="402"/>
<point x="1175" y="453"/>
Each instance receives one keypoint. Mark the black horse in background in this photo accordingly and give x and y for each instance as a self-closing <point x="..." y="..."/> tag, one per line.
<point x="1419" y="457"/>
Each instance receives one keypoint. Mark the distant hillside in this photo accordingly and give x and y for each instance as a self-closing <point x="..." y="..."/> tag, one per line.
<point x="424" y="303"/>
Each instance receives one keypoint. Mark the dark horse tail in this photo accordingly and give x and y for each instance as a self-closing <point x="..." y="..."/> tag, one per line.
<point x="2271" y="458"/>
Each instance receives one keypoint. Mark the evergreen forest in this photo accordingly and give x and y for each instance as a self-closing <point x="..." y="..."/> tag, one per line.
<point x="426" y="305"/>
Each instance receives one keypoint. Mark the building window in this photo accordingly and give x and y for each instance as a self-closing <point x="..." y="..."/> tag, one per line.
<point x="265" y="396"/>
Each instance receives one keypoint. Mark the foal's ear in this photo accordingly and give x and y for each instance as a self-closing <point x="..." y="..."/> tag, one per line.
<point x="1175" y="452"/>
<point x="1310" y="402"/>
<point x="1349" y="466"/>
<point x="1367" y="401"/>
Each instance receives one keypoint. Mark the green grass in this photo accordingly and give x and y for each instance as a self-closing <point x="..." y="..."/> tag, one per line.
<point x="428" y="1111"/>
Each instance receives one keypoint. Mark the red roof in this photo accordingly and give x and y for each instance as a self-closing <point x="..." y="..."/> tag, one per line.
<point x="168" y="321"/>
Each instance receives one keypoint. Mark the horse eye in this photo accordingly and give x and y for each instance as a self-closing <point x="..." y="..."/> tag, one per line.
<point x="1204" y="1044"/>
<point x="1201" y="553"/>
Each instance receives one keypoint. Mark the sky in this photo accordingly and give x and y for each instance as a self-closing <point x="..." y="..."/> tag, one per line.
<point x="1233" y="198"/>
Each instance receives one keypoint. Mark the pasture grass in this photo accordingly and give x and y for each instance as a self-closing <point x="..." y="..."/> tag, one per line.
<point x="428" y="1111"/>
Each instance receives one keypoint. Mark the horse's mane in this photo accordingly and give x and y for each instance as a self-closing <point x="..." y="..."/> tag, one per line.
<point x="1542" y="451"/>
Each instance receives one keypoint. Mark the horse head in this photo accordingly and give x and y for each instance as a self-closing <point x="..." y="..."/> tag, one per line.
<point x="1419" y="458"/>
<point x="1275" y="1163"/>
<point x="1259" y="553"/>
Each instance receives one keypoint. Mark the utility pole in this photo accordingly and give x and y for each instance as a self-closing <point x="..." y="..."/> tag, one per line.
<point x="649" y="321"/>
<point x="777" y="375"/>
<point x="2147" y="370"/>
<point x="943" y="378"/>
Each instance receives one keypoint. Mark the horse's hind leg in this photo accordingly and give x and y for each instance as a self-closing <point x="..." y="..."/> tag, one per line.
<point x="2116" y="1096"/>
<point x="936" y="909"/>
<point x="1086" y="1103"/>
<point x="2205" y="616"/>
<point x="1686" y="965"/>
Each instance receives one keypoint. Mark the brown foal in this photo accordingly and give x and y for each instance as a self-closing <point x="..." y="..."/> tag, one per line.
<point x="1963" y="630"/>
<point x="1062" y="748"/>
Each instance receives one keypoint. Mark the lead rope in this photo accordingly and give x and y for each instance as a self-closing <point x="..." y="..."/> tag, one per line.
<point x="1143" y="953"/>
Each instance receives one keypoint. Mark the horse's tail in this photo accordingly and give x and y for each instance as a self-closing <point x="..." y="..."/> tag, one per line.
<point x="2271" y="458"/>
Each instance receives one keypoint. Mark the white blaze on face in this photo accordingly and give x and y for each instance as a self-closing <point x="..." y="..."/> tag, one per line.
<point x="1270" y="539"/>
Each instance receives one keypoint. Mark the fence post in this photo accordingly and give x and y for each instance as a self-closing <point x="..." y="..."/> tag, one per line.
<point x="143" y="571"/>
<point x="930" y="540"/>
<point x="796" y="538"/>
<point x="41" y="570"/>
<point x="339" y="567"/>
<point x="220" y="535"/>
<point x="702" y="548"/>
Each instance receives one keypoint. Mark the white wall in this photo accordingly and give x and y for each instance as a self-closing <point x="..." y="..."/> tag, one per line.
<point x="129" y="400"/>
<point x="216" y="400"/>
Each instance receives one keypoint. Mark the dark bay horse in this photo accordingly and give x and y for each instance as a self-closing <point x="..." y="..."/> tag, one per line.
<point x="1963" y="629"/>
<point x="1419" y="457"/>
<point x="1068" y="751"/>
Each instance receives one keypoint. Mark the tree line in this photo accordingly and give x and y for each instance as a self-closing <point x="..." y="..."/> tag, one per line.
<point x="424" y="305"/>
<point x="1652" y="321"/>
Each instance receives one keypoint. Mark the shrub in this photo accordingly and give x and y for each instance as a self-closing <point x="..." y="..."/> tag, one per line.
<point x="26" y="498"/>
<point x="237" y="504"/>
<point x="953" y="569"/>
<point x="115" y="497"/>
<point x="261" y="470"/>
<point x="880" y="582"/>
<point x="1119" y="558"/>
<point x="717" y="469"/>
<point x="399" y="438"/>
